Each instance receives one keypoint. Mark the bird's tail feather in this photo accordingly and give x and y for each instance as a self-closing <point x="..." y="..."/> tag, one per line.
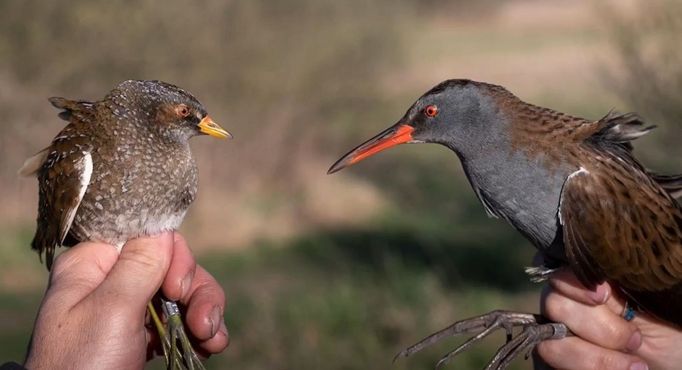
<point x="622" y="128"/>
<point x="69" y="106"/>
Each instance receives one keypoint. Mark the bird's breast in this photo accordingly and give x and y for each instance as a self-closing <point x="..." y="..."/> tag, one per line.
<point x="136" y="191"/>
<point x="521" y="190"/>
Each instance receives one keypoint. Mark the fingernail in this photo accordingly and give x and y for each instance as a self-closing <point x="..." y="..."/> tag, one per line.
<point x="634" y="342"/>
<point x="185" y="284"/>
<point x="639" y="366"/>
<point x="600" y="295"/>
<point x="223" y="328"/>
<point x="214" y="319"/>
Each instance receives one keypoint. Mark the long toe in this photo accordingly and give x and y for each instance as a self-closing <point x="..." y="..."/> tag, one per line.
<point x="535" y="329"/>
<point x="525" y="342"/>
<point x="182" y="355"/>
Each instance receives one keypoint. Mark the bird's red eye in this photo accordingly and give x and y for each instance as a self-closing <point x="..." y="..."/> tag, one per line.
<point x="431" y="110"/>
<point x="182" y="110"/>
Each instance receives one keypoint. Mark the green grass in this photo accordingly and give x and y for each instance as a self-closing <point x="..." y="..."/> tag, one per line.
<point x="302" y="308"/>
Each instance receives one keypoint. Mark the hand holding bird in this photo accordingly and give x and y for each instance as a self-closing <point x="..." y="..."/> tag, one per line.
<point x="83" y="323"/>
<point x="122" y="168"/>
<point x="604" y="339"/>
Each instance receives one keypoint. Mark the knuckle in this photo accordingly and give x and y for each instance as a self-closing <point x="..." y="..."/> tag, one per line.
<point x="211" y="292"/>
<point x="209" y="285"/>
<point x="606" y="362"/>
<point x="554" y="306"/>
<point x="616" y="335"/>
<point x="62" y="263"/>
<point x="144" y="258"/>
<point x="549" y="350"/>
<point x="59" y="263"/>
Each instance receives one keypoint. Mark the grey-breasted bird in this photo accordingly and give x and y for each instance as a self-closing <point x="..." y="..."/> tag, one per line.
<point x="122" y="168"/>
<point x="571" y="186"/>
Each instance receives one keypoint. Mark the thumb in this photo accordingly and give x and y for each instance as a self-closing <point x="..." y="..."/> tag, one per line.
<point x="78" y="271"/>
<point x="139" y="271"/>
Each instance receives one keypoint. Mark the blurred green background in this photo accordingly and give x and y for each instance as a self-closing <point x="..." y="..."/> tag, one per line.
<point x="343" y="271"/>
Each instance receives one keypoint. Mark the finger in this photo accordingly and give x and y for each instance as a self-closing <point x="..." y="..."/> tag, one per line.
<point x="79" y="270"/>
<point x="616" y="303"/>
<point x="573" y="353"/>
<point x="205" y="305"/>
<point x="566" y="283"/>
<point x="178" y="280"/>
<point x="596" y="324"/>
<point x="217" y="343"/>
<point x="138" y="273"/>
<point x="154" y="347"/>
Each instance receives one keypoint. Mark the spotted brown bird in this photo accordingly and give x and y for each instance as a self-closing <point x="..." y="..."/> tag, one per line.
<point x="120" y="169"/>
<point x="570" y="185"/>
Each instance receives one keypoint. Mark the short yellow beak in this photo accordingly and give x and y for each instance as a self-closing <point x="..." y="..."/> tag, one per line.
<point x="208" y="127"/>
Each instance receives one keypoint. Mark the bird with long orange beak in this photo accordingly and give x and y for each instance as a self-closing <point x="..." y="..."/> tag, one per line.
<point x="570" y="185"/>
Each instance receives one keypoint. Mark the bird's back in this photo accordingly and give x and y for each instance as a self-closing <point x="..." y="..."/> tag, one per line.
<point x="619" y="223"/>
<point x="616" y="221"/>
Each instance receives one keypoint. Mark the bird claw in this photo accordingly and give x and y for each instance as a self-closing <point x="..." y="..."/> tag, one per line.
<point x="533" y="332"/>
<point x="529" y="337"/>
<point x="539" y="274"/>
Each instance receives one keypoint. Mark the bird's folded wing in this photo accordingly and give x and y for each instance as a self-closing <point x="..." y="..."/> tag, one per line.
<point x="671" y="183"/>
<point x="623" y="228"/>
<point x="63" y="182"/>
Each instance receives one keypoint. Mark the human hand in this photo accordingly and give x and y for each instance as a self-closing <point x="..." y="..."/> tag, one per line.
<point x="93" y="312"/>
<point x="604" y="339"/>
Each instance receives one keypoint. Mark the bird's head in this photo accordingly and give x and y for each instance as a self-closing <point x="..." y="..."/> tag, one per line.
<point x="455" y="113"/>
<point x="163" y="108"/>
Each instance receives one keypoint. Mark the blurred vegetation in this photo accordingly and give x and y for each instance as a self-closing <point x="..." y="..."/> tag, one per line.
<point x="317" y="305"/>
<point x="301" y="307"/>
<point x="649" y="76"/>
<point x="299" y="82"/>
<point x="278" y="72"/>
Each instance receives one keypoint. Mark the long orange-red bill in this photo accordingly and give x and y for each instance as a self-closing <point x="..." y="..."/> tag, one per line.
<point x="390" y="137"/>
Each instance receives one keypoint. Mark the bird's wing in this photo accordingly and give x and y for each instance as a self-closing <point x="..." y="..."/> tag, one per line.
<point x="671" y="183"/>
<point x="620" y="129"/>
<point x="63" y="180"/>
<point x="620" y="225"/>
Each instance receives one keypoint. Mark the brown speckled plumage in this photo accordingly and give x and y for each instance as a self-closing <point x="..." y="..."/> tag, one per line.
<point x="121" y="168"/>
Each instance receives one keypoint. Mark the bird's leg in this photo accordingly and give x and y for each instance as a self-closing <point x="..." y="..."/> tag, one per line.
<point x="185" y="353"/>
<point x="163" y="335"/>
<point x="165" y="340"/>
<point x="535" y="329"/>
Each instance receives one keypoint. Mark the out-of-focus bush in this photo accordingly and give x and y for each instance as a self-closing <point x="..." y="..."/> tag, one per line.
<point x="275" y="73"/>
<point x="287" y="78"/>
<point x="648" y="73"/>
